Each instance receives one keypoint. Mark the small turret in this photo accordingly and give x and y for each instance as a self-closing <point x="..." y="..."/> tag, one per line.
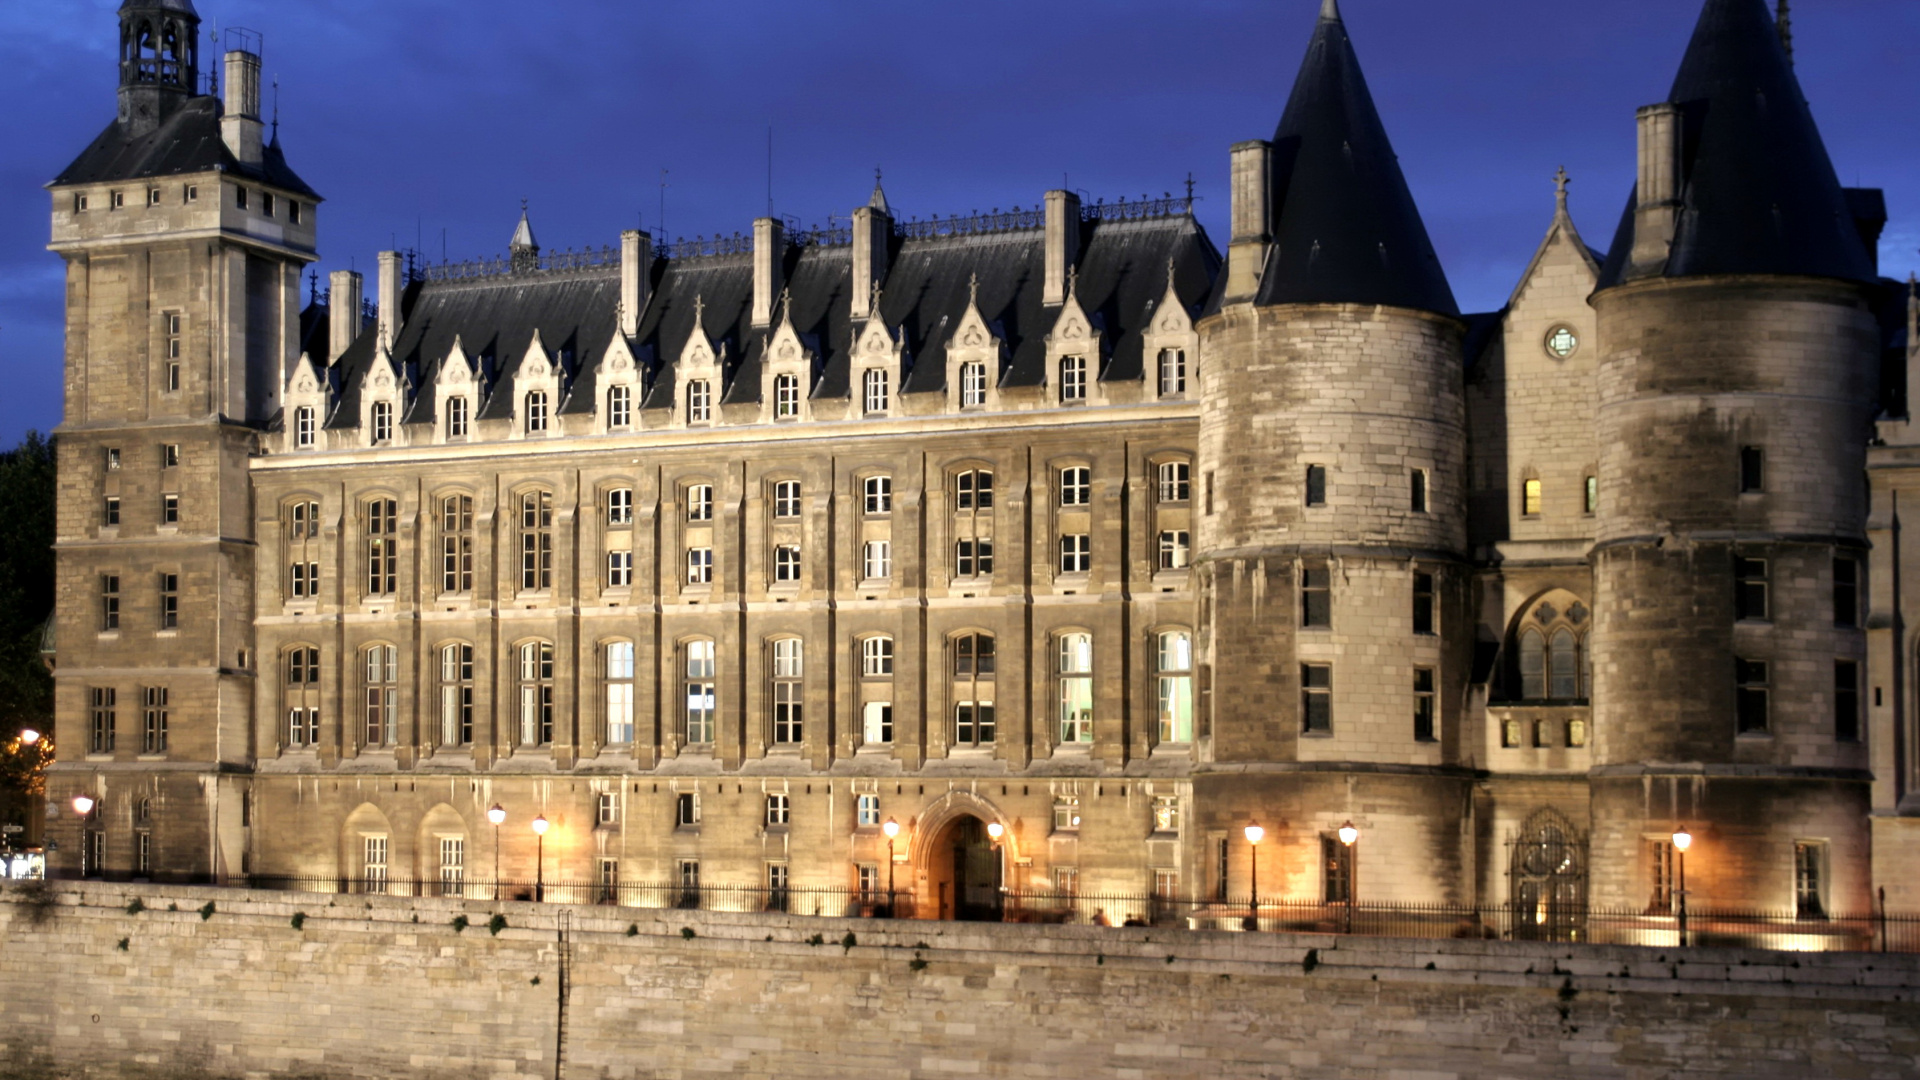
<point x="159" y="60"/>
<point x="523" y="251"/>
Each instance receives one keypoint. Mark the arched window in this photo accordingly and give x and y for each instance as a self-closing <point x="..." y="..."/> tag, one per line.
<point x="1173" y="664"/>
<point x="383" y="543"/>
<point x="536" y="412"/>
<point x="701" y="671"/>
<point x="1075" y="669"/>
<point x="456" y="694"/>
<point x="876" y="657"/>
<point x="1548" y="879"/>
<point x="1563" y="665"/>
<point x="382" y="668"/>
<point x="788" y="691"/>
<point x="536" y="693"/>
<point x="1551" y="651"/>
<point x="619" y="692"/>
<point x="1533" y="665"/>
<point x="973" y="664"/>
<point x="536" y="541"/>
<point x="302" y="696"/>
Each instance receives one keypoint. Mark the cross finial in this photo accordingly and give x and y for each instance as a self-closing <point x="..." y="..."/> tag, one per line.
<point x="1560" y="182"/>
<point x="873" y="302"/>
<point x="973" y="290"/>
<point x="786" y="304"/>
<point x="1073" y="279"/>
<point x="1169" y="271"/>
<point x="699" y="311"/>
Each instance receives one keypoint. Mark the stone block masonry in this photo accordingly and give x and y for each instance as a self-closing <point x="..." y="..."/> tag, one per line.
<point x="359" y="988"/>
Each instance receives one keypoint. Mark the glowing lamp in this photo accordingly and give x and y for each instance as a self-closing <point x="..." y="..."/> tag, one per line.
<point x="540" y="825"/>
<point x="496" y="813"/>
<point x="1255" y="833"/>
<point x="1682" y="839"/>
<point x="995" y="830"/>
<point x="28" y="736"/>
<point x="82" y="805"/>
<point x="1348" y="834"/>
<point x="891" y="828"/>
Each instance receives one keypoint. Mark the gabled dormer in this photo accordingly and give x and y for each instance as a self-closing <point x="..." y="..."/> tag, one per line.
<point x="700" y="375"/>
<point x="619" y="385"/>
<point x="877" y="368"/>
<point x="787" y="370"/>
<point x="975" y="358"/>
<point x="456" y="396"/>
<point x="382" y="400"/>
<point x="536" y="393"/>
<point x="1171" y="348"/>
<point x="1074" y="354"/>
<point x="308" y="401"/>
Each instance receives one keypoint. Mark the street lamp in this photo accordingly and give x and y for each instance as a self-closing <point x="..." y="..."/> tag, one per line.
<point x="28" y="736"/>
<point x="1254" y="835"/>
<point x="83" y="805"/>
<point x="1682" y="840"/>
<point x="540" y="859"/>
<point x="1348" y="834"/>
<point x="892" y="829"/>
<point x="496" y="814"/>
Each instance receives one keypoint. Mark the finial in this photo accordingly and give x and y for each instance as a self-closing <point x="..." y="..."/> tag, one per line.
<point x="1560" y="181"/>
<point x="786" y="304"/>
<point x="699" y="311"/>
<point x="873" y="302"/>
<point x="1073" y="279"/>
<point x="973" y="290"/>
<point x="1169" y="271"/>
<point x="1330" y="9"/>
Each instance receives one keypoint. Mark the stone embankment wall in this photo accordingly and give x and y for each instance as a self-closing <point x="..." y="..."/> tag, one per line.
<point x="193" y="983"/>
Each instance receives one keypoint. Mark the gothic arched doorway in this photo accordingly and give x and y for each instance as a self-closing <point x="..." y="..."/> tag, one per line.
<point x="1547" y="879"/>
<point x="963" y="872"/>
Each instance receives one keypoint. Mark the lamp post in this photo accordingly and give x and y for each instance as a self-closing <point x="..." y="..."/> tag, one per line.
<point x="496" y="814"/>
<point x="1682" y="840"/>
<point x="1348" y="834"/>
<point x="83" y="805"/>
<point x="892" y="829"/>
<point x="995" y="831"/>
<point x="1254" y="835"/>
<point x="28" y="736"/>
<point x="540" y="859"/>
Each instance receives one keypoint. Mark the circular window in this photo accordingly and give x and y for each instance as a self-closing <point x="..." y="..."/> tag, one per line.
<point x="1562" y="341"/>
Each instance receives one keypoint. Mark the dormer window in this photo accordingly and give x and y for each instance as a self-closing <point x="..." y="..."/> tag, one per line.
<point x="536" y="412"/>
<point x="303" y="427"/>
<point x="456" y="418"/>
<point x="153" y="196"/>
<point x="1073" y="378"/>
<point x="382" y="422"/>
<point x="1173" y="372"/>
<point x="699" y="402"/>
<point x="786" y="398"/>
<point x="875" y="391"/>
<point x="620" y="407"/>
<point x="973" y="385"/>
<point x="266" y="203"/>
<point x="240" y="198"/>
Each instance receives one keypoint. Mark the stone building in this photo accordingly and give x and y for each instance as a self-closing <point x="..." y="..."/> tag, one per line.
<point x="722" y="555"/>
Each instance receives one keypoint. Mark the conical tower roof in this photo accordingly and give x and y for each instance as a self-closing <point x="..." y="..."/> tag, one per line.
<point x="1345" y="227"/>
<point x="523" y="235"/>
<point x="1759" y="192"/>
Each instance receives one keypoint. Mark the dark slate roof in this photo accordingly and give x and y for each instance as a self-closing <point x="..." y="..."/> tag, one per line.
<point x="1760" y="194"/>
<point x="187" y="141"/>
<point x="818" y="284"/>
<point x="1345" y="227"/>
<point x="723" y="284"/>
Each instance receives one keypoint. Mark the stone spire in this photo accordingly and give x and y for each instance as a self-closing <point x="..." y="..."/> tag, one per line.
<point x="878" y="202"/>
<point x="523" y="251"/>
<point x="1344" y="225"/>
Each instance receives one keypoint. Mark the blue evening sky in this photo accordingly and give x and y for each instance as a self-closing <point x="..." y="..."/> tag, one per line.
<point x="424" y="118"/>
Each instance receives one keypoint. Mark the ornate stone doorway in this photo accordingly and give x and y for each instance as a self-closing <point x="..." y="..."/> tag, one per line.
<point x="1547" y="879"/>
<point x="963" y="872"/>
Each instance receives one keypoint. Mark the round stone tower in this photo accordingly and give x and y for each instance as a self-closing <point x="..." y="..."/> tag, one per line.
<point x="1737" y="389"/>
<point x="1332" y="528"/>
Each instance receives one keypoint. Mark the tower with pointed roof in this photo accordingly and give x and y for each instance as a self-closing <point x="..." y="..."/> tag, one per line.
<point x="1332" y="450"/>
<point x="1737" y="382"/>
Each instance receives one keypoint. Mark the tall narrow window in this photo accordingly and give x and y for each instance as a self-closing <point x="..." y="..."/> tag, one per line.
<point x="1563" y="666"/>
<point x="536" y="693"/>
<point x="876" y="723"/>
<point x="1660" y="876"/>
<point x="1417" y="490"/>
<point x="303" y="696"/>
<point x="1749" y="588"/>
<point x="619" y="569"/>
<point x="1076" y="688"/>
<point x="876" y="560"/>
<point x="1176" y="481"/>
<point x="1593" y="495"/>
<point x="1846" y="591"/>
<point x="1422" y="603"/>
<point x="787" y="691"/>
<point x="374" y="868"/>
<point x="1076" y="486"/>
<point x="110" y="601"/>
<point x="973" y="675"/>
<point x="1316" y="698"/>
<point x="110" y="514"/>
<point x="698" y="729"/>
<point x="1173" y="372"/>
<point x="1530" y="498"/>
<point x="303" y="427"/>
<point x="786" y="397"/>
<point x="536" y="541"/>
<point x="619" y="694"/>
<point x="1753" y="470"/>
<point x="620" y="506"/>
<point x="456" y="544"/>
<point x="1173" y="665"/>
<point x="1423" y="704"/>
<point x="786" y="499"/>
<point x="973" y="385"/>
<point x="536" y="412"/>
<point x="700" y="502"/>
<point x="874" y="391"/>
<point x="1810" y="880"/>
<point x="1336" y="860"/>
<point x="456" y="694"/>
<point x="176" y="326"/>
<point x="169" y="601"/>
<point x="777" y="895"/>
<point x="383" y="540"/>
<point x="169" y="509"/>
<point x="1846" y="700"/>
<point x="620" y="406"/>
<point x="383" y="695"/>
<point x="1073" y="378"/>
<point x="1316" y="485"/>
<point x="1175" y="549"/>
<point x="1750" y="703"/>
<point x="699" y="402"/>
<point x="153" y="739"/>
<point x="456" y="418"/>
<point x="101" y="721"/>
<point x="1316" y="596"/>
<point x="1076" y="553"/>
<point x="453" y="864"/>
<point x="877" y="495"/>
<point x="382" y="422"/>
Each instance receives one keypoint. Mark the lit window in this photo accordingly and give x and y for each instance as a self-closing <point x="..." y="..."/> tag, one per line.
<point x="700" y="566"/>
<point x="876" y="561"/>
<point x="786" y="397"/>
<point x="456" y="695"/>
<point x="973" y="385"/>
<point x="1073" y="378"/>
<point x="786" y="499"/>
<point x="1173" y="372"/>
<point x="874" y="391"/>
<point x="878" y="495"/>
<point x="1166" y="819"/>
<point x="699" y="716"/>
<point x="382" y="686"/>
<point x="536" y="412"/>
<point x="700" y="502"/>
<point x="788" y="706"/>
<point x="1530" y="497"/>
<point x="1076" y="688"/>
<point x="1076" y="553"/>
<point x="536" y="693"/>
<point x="1076" y="486"/>
<point x="699" y="402"/>
<point x="620" y="506"/>
<point x="876" y="657"/>
<point x="1173" y="664"/>
<point x="619" y="692"/>
<point x="1316" y="698"/>
<point x="620" y="406"/>
<point x="456" y="544"/>
<point x="786" y="564"/>
<point x="1176" y="481"/>
<point x="1175" y="549"/>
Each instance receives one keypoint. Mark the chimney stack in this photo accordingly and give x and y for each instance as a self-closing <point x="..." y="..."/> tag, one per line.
<point x="1063" y="243"/>
<point x="1657" y="198"/>
<point x="871" y="228"/>
<point x="343" y="312"/>
<point x="240" y="127"/>
<point x="1252" y="228"/>
<point x="389" y="300"/>
<point x="769" y="260"/>
<point x="636" y="266"/>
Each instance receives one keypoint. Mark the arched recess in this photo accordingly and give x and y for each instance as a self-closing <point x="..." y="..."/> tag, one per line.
<point x="1546" y="634"/>
<point x="443" y="870"/>
<point x="365" y="824"/>
<point x="956" y="818"/>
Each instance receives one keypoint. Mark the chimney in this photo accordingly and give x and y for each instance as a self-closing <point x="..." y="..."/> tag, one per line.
<point x="343" y="312"/>
<point x="389" y="299"/>
<point x="769" y="258"/>
<point x="1063" y="243"/>
<point x="636" y="266"/>
<point x="240" y="127"/>
<point x="871" y="228"/>
<point x="1252" y="229"/>
<point x="1657" y="198"/>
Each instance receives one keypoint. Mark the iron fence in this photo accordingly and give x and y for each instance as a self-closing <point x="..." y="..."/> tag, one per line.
<point x="1877" y="931"/>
